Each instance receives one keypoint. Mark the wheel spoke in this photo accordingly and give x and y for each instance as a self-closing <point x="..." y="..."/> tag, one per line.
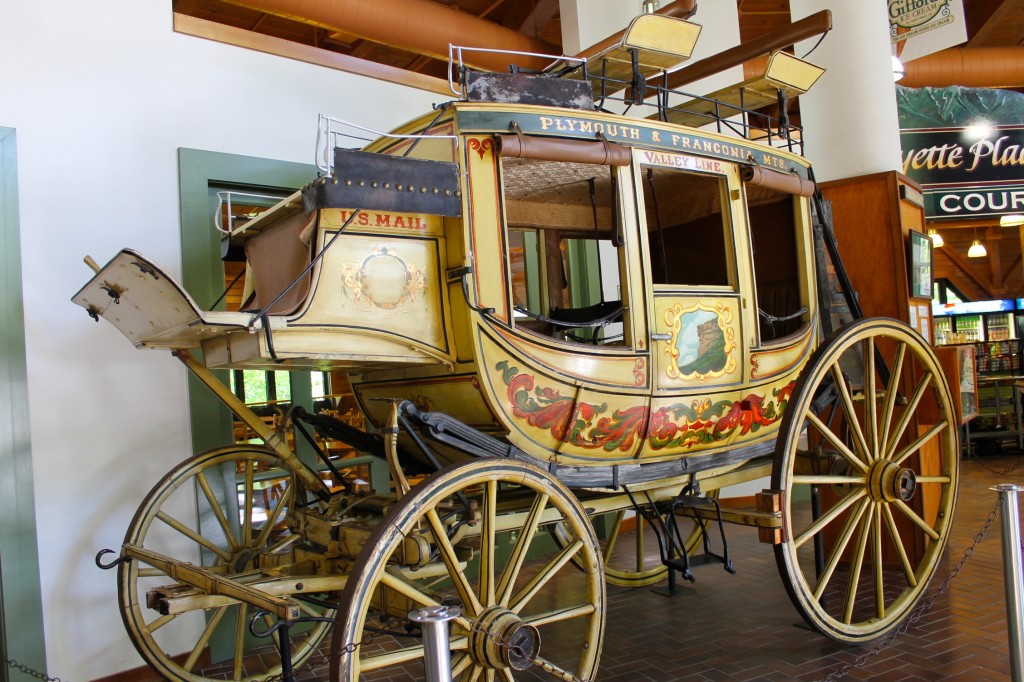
<point x="460" y="663"/>
<point x="891" y="392"/>
<point x="281" y="544"/>
<point x="217" y="507"/>
<point x="538" y="581"/>
<point x="829" y="480"/>
<point x="919" y="442"/>
<point x="639" y="541"/>
<point x="870" y="398"/>
<point x="829" y="517"/>
<point x="908" y="412"/>
<point x="840" y="547"/>
<point x="444" y="546"/>
<point x="275" y="635"/>
<point x="506" y="675"/>
<point x="204" y="638"/>
<point x="856" y="565"/>
<point x="391" y="579"/>
<point x="247" y="502"/>
<point x="921" y="523"/>
<point x="243" y="612"/>
<point x="934" y="479"/>
<point x="894" y="533"/>
<point x="488" y="546"/>
<point x="613" y="535"/>
<point x="406" y="654"/>
<point x="838" y="444"/>
<point x="515" y="562"/>
<point x="846" y="400"/>
<point x="876" y="556"/>
<point x="541" y="619"/>
<point x="192" y="535"/>
<point x="274" y="515"/>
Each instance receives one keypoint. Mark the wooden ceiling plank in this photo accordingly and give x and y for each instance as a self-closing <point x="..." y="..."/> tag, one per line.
<point x="961" y="264"/>
<point x="994" y="23"/>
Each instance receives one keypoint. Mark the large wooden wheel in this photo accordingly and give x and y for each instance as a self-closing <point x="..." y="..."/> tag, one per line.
<point x="884" y="470"/>
<point x="468" y="536"/>
<point x="629" y="546"/>
<point x="243" y="499"/>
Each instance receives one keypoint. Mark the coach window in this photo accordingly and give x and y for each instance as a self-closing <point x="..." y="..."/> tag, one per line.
<point x="687" y="232"/>
<point x="776" y="242"/>
<point x="564" y="258"/>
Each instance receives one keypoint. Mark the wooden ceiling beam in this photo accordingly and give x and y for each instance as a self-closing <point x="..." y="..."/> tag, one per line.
<point x="542" y="13"/>
<point x="961" y="263"/>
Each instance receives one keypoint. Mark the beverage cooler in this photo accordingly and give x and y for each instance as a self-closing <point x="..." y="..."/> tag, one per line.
<point x="977" y="321"/>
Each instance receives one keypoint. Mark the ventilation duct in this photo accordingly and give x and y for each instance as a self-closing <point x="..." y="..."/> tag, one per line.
<point x="418" y="26"/>
<point x="975" y="67"/>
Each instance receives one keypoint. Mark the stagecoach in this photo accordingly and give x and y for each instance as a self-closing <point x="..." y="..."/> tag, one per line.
<point x="568" y="329"/>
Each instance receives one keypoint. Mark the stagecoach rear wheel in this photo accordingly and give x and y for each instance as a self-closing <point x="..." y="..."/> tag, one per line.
<point x="629" y="547"/>
<point x="884" y="471"/>
<point x="527" y="612"/>
<point x="244" y="495"/>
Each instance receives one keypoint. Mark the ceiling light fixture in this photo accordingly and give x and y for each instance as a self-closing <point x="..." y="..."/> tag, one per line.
<point x="1011" y="220"/>
<point x="937" y="241"/>
<point x="898" y="71"/>
<point x="977" y="250"/>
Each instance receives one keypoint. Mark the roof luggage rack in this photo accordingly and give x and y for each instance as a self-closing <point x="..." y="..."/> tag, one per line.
<point x="632" y="67"/>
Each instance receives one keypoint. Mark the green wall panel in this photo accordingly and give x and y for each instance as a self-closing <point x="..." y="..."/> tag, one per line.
<point x="21" y="625"/>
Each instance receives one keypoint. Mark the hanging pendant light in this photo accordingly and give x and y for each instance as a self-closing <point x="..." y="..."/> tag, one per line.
<point x="937" y="241"/>
<point x="977" y="249"/>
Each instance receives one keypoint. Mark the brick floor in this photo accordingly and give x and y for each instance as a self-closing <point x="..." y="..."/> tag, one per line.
<point x="727" y="628"/>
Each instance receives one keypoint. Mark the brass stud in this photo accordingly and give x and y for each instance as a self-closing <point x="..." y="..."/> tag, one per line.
<point x="362" y="183"/>
<point x="458" y="193"/>
<point x="435" y="190"/>
<point x="398" y="187"/>
<point x="387" y="185"/>
<point x="323" y="181"/>
<point x="348" y="182"/>
<point x="334" y="181"/>
<point x="374" y="184"/>
<point x="447" y="192"/>
<point x="411" y="188"/>
<point x="423" y="190"/>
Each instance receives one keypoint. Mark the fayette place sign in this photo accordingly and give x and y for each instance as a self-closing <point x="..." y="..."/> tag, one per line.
<point x="967" y="172"/>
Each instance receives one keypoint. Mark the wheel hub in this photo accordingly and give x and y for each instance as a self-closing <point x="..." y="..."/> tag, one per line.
<point x="888" y="482"/>
<point x="500" y="639"/>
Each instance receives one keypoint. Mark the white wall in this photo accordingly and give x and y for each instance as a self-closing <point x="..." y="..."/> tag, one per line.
<point x="102" y="95"/>
<point x="851" y="124"/>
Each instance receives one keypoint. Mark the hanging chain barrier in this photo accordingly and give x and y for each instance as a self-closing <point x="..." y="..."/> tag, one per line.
<point x="11" y="663"/>
<point x="1003" y="472"/>
<point x="923" y="606"/>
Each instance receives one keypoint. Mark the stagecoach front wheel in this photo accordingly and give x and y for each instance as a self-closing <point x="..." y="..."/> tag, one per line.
<point x="866" y="464"/>
<point x="238" y="531"/>
<point x="472" y="536"/>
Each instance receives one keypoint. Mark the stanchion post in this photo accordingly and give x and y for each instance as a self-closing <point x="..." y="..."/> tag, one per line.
<point x="436" y="654"/>
<point x="1013" y="576"/>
